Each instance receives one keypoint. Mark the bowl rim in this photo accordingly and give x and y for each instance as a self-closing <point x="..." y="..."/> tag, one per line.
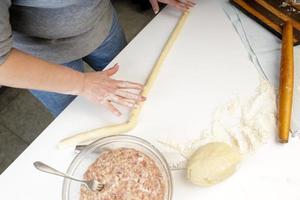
<point x="119" y="138"/>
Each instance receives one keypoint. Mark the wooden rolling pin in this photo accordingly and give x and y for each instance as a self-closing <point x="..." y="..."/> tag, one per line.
<point x="284" y="22"/>
<point x="286" y="83"/>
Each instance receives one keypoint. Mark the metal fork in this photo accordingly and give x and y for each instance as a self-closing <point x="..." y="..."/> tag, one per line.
<point x="92" y="184"/>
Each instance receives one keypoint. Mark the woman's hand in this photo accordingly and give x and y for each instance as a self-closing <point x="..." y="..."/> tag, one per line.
<point x="183" y="5"/>
<point x="22" y="70"/>
<point x="99" y="87"/>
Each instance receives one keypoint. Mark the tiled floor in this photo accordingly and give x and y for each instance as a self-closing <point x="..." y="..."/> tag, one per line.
<point x="23" y="118"/>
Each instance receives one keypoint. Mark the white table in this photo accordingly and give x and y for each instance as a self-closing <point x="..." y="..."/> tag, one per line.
<point x="206" y="66"/>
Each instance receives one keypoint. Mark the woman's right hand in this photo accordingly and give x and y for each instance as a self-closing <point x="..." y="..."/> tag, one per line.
<point x="99" y="87"/>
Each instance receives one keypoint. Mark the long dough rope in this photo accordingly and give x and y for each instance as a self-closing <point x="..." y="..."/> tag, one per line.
<point x="131" y="123"/>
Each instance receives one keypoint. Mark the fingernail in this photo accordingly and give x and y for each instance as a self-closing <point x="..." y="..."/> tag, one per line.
<point x="156" y="11"/>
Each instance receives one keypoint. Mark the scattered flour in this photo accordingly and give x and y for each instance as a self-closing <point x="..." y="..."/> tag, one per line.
<point x="243" y="122"/>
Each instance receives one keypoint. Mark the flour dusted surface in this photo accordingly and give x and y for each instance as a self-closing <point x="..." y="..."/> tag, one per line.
<point x="243" y="122"/>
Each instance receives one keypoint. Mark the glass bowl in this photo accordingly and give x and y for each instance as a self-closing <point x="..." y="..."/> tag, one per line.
<point x="79" y="165"/>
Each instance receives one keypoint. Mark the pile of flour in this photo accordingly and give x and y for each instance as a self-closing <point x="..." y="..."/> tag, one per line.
<point x="243" y="122"/>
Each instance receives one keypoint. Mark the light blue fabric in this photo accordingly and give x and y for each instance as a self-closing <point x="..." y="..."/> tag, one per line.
<point x="98" y="60"/>
<point x="55" y="102"/>
<point x="110" y="47"/>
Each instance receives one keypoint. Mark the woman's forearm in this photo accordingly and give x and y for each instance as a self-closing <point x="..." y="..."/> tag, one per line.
<point x="22" y="70"/>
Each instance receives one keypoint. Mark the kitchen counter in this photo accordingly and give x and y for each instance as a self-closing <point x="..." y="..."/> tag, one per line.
<point x="207" y="65"/>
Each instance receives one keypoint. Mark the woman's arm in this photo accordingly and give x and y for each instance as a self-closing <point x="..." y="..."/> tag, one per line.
<point x="25" y="71"/>
<point x="18" y="69"/>
<point x="22" y="70"/>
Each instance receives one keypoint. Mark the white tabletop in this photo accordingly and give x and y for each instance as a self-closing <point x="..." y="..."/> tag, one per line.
<point x="206" y="66"/>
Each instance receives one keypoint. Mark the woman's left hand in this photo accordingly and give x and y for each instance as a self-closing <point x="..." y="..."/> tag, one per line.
<point x="183" y="5"/>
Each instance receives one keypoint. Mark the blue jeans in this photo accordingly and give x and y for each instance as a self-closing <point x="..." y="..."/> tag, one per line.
<point x="98" y="60"/>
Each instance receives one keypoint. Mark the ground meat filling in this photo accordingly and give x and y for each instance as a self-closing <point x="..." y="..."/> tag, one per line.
<point x="128" y="174"/>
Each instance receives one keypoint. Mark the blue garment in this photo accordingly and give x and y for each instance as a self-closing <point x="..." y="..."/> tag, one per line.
<point x="98" y="60"/>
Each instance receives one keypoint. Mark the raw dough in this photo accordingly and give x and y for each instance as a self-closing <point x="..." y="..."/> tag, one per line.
<point x="212" y="163"/>
<point x="123" y="128"/>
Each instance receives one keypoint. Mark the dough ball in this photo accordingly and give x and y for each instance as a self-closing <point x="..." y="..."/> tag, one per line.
<point x="212" y="163"/>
